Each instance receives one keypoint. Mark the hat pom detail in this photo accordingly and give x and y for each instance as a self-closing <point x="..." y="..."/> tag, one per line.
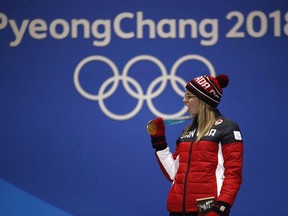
<point x="223" y="80"/>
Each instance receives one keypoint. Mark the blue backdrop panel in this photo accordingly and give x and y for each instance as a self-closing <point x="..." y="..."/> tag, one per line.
<point x="80" y="80"/>
<point x="18" y="202"/>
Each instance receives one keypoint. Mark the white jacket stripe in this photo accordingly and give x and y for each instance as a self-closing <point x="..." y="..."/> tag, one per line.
<point x="168" y="162"/>
<point x="220" y="169"/>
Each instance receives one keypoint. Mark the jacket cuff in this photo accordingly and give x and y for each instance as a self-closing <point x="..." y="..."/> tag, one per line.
<point x="221" y="208"/>
<point x="159" y="143"/>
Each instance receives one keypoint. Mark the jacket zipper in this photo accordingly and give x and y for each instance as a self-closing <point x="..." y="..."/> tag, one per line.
<point x="187" y="171"/>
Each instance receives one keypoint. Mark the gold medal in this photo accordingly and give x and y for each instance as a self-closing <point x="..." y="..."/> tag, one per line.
<point x="152" y="127"/>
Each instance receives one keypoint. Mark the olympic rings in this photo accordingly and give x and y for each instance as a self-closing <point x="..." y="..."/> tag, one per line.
<point x="139" y="94"/>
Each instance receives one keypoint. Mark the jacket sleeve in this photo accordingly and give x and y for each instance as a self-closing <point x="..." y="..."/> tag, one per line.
<point x="232" y="149"/>
<point x="168" y="162"/>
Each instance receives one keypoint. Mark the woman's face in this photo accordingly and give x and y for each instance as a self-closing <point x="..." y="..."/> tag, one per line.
<point x="192" y="102"/>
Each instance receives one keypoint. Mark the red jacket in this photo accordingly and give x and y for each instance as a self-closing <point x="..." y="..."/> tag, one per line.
<point x="210" y="167"/>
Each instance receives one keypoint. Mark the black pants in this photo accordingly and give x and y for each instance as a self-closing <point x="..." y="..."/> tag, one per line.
<point x="183" y="214"/>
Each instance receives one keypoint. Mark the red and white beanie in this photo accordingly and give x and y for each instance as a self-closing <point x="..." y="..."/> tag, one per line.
<point x="208" y="88"/>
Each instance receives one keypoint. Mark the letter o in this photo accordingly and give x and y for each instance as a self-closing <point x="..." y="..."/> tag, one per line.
<point x="59" y="22"/>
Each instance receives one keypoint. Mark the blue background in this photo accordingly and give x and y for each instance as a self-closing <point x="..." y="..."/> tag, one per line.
<point x="60" y="154"/>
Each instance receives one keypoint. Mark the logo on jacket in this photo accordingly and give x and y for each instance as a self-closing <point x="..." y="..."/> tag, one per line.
<point x="219" y="121"/>
<point x="237" y="135"/>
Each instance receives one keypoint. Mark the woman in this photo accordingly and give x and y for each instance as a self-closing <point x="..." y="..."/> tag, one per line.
<point x="207" y="161"/>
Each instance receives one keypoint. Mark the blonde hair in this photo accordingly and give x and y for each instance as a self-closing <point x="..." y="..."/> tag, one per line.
<point x="204" y="119"/>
